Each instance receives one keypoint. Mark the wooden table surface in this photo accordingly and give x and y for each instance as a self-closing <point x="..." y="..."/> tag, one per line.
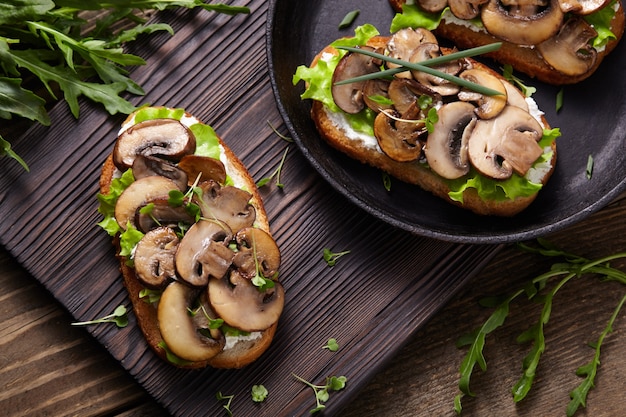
<point x="48" y="367"/>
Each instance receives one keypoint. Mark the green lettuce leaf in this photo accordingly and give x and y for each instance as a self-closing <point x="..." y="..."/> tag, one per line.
<point x="412" y="16"/>
<point x="601" y="22"/>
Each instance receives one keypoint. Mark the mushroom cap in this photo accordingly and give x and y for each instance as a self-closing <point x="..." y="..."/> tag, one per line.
<point x="154" y="257"/>
<point x="488" y="106"/>
<point x="398" y="140"/>
<point x="466" y="9"/>
<point x="256" y="248"/>
<point x="569" y="51"/>
<point x="441" y="86"/>
<point x="210" y="168"/>
<point x="523" y="22"/>
<point x="404" y="92"/>
<point x="506" y="143"/>
<point x="148" y="165"/>
<point x="373" y="89"/>
<point x="582" y="7"/>
<point x="403" y="43"/>
<point x="446" y="148"/>
<point x="240" y="303"/>
<point x="433" y="6"/>
<point x="180" y="331"/>
<point x="227" y="204"/>
<point x="162" y="214"/>
<point x="138" y="194"/>
<point x="167" y="138"/>
<point x="203" y="253"/>
<point x="349" y="97"/>
<point x="514" y="97"/>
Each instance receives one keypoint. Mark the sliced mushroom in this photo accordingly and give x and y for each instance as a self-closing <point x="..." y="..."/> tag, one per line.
<point x="180" y="332"/>
<point x="507" y="143"/>
<point x="161" y="213"/>
<point x="446" y="148"/>
<point x="441" y="86"/>
<point x="167" y="138"/>
<point x="210" y="168"/>
<point x="583" y="7"/>
<point x="154" y="257"/>
<point x="514" y="96"/>
<point x="146" y="166"/>
<point x="404" y="92"/>
<point x="399" y="140"/>
<point x="433" y="6"/>
<point x="523" y="22"/>
<point x="138" y="194"/>
<point x="227" y="204"/>
<point x="349" y="97"/>
<point x="203" y="253"/>
<point x="488" y="106"/>
<point x="569" y="51"/>
<point x="376" y="94"/>
<point x="466" y="9"/>
<point x="257" y="252"/>
<point x="240" y="303"/>
<point x="404" y="42"/>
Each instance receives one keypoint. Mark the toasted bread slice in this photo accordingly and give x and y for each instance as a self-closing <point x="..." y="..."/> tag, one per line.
<point x="526" y="59"/>
<point x="239" y="351"/>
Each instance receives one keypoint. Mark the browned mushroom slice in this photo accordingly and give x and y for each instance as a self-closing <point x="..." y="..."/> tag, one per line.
<point x="570" y="51"/>
<point x="138" y="194"/>
<point x="523" y="22"/>
<point x="240" y="303"/>
<point x="376" y="94"/>
<point x="203" y="253"/>
<point x="514" y="97"/>
<point x="161" y="213"/>
<point x="404" y="42"/>
<point x="154" y="257"/>
<point x="349" y="97"/>
<point x="210" y="168"/>
<point x="488" y="106"/>
<point x="399" y="140"/>
<point x="466" y="9"/>
<point x="404" y="92"/>
<point x="167" y="138"/>
<point x="147" y="165"/>
<point x="433" y="6"/>
<point x="257" y="252"/>
<point x="507" y="143"/>
<point x="227" y="204"/>
<point x="583" y="7"/>
<point x="446" y="147"/>
<point x="441" y="86"/>
<point x="186" y="336"/>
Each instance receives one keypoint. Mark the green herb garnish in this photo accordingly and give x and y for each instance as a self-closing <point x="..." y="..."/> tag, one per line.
<point x="538" y="289"/>
<point x="259" y="393"/>
<point x="348" y="19"/>
<point x="228" y="399"/>
<point x="424" y="66"/>
<point x="276" y="173"/>
<point x="331" y="257"/>
<point x="322" y="392"/>
<point x="589" y="168"/>
<point x="118" y="317"/>
<point x="331" y="345"/>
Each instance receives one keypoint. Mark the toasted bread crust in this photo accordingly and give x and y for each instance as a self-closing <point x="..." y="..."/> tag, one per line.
<point x="523" y="59"/>
<point x="243" y="353"/>
<point x="415" y="172"/>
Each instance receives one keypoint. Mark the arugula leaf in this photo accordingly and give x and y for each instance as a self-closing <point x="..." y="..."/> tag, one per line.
<point x="16" y="100"/>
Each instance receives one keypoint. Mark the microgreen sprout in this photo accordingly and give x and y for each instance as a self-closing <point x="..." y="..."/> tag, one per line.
<point x="147" y="210"/>
<point x="349" y="18"/>
<point x="118" y="317"/>
<point x="572" y="266"/>
<point x="331" y="257"/>
<point x="228" y="399"/>
<point x="176" y="198"/>
<point x="261" y="282"/>
<point x="429" y="121"/>
<point x="276" y="173"/>
<point x="559" y="100"/>
<point x="425" y="66"/>
<point x="259" y="393"/>
<point x="322" y="392"/>
<point x="280" y="135"/>
<point x="507" y="73"/>
<point x="5" y="150"/>
<point x="332" y="345"/>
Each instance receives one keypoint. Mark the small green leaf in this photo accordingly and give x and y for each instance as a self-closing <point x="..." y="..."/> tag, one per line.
<point x="348" y="19"/>
<point x="259" y="393"/>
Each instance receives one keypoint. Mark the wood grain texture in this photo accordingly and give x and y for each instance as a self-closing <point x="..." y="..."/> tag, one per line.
<point x="215" y="67"/>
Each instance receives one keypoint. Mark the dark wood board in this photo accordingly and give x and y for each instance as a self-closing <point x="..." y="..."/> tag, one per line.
<point x="372" y="301"/>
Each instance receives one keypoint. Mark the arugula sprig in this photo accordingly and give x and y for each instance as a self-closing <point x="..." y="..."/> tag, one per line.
<point x="572" y="266"/>
<point x="331" y="257"/>
<point x="49" y="41"/>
